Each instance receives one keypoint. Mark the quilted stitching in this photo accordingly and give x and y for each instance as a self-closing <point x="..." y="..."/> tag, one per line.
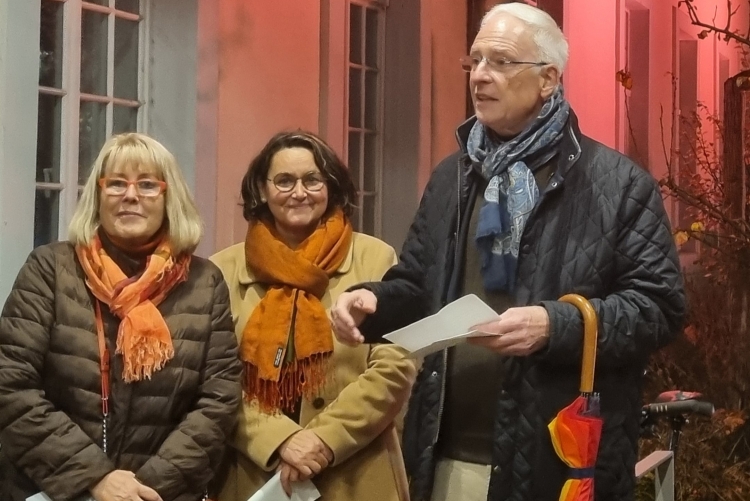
<point x="603" y="234"/>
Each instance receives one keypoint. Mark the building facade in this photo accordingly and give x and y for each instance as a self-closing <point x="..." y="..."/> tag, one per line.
<point x="379" y="79"/>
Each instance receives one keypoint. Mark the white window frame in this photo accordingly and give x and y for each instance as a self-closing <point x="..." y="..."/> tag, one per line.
<point x="377" y="194"/>
<point x="72" y="96"/>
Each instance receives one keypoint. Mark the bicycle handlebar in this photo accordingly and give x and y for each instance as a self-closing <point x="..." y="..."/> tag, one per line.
<point x="679" y="407"/>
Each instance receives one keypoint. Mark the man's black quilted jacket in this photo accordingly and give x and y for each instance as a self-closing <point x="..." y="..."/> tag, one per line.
<point x="599" y="230"/>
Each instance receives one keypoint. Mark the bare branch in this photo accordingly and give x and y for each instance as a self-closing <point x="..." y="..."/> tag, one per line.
<point x="727" y="32"/>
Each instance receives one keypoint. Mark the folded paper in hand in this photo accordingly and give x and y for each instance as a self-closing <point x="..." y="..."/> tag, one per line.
<point x="272" y="491"/>
<point x="448" y="327"/>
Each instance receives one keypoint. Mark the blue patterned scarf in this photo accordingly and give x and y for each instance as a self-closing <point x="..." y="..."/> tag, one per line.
<point x="512" y="192"/>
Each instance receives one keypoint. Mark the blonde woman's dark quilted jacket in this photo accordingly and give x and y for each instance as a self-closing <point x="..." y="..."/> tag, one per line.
<point x="170" y="430"/>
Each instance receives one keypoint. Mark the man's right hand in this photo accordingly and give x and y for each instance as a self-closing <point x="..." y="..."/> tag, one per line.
<point x="348" y="312"/>
<point x="121" y="485"/>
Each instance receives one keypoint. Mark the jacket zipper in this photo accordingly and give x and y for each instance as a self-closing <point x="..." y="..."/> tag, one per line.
<point x="441" y="405"/>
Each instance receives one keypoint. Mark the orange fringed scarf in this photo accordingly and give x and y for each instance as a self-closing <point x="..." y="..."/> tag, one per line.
<point x="143" y="338"/>
<point x="287" y="341"/>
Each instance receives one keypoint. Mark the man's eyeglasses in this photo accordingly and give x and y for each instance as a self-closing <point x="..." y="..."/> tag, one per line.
<point x="287" y="182"/>
<point x="499" y="65"/>
<point x="117" y="186"/>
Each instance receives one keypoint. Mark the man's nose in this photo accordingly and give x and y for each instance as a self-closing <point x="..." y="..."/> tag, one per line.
<point x="480" y="74"/>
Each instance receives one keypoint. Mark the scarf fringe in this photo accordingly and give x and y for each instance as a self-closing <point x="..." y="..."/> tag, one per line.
<point x="301" y="378"/>
<point x="143" y="357"/>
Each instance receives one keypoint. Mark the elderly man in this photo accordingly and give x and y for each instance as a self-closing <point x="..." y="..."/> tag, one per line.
<point x="528" y="210"/>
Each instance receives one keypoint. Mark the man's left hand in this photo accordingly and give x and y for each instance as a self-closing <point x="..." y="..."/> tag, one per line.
<point x="517" y="332"/>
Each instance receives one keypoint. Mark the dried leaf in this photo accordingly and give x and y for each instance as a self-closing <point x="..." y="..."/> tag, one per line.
<point x="625" y="78"/>
<point x="680" y="238"/>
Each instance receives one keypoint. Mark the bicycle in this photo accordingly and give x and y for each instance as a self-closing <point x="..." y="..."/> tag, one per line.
<point x="677" y="406"/>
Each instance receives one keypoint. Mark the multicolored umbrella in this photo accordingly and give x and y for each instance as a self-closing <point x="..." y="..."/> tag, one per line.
<point x="577" y="428"/>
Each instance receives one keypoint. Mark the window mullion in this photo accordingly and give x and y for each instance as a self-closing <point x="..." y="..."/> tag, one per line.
<point x="71" y="109"/>
<point x="380" y="123"/>
<point x="143" y="62"/>
<point x="110" y="69"/>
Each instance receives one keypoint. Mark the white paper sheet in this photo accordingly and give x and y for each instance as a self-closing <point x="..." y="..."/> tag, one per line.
<point x="446" y="328"/>
<point x="272" y="491"/>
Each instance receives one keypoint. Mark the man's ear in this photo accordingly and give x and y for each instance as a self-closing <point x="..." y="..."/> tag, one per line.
<point x="550" y="77"/>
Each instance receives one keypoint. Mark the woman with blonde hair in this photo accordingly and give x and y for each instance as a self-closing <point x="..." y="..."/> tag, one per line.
<point x="120" y="371"/>
<point x="313" y="408"/>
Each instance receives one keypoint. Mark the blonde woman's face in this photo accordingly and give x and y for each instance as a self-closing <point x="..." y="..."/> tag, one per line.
<point x="131" y="219"/>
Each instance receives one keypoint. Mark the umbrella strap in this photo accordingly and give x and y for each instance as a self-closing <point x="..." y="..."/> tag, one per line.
<point x="581" y="473"/>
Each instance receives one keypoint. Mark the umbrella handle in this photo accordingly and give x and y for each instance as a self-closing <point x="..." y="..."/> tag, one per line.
<point x="590" y="334"/>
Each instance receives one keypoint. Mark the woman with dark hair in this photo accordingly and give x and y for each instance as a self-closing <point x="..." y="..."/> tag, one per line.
<point x="312" y="407"/>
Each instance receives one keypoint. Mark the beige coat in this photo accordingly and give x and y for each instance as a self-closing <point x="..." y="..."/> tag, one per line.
<point x="355" y="413"/>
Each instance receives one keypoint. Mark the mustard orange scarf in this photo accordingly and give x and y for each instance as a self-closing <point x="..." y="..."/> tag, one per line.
<point x="143" y="338"/>
<point x="287" y="340"/>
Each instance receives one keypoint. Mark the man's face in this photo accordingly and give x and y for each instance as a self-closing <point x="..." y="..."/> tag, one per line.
<point x="507" y="97"/>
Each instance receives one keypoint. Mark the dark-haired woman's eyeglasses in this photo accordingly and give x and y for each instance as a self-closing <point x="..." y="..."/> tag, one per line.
<point x="285" y="182"/>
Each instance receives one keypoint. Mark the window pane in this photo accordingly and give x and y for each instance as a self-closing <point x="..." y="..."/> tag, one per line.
<point x="94" y="53"/>
<point x="355" y="97"/>
<point x="48" y="139"/>
<point x="128" y="5"/>
<point x="46" y="216"/>
<point x="371" y="100"/>
<point x="371" y="39"/>
<point x="354" y="156"/>
<point x="371" y="162"/>
<point x="92" y="133"/>
<point x="368" y="215"/>
<point x="50" y="44"/>
<point x="355" y="34"/>
<point x="124" y="119"/>
<point x="126" y="59"/>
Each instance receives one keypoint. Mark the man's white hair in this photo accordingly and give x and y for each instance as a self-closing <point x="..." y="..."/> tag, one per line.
<point x="552" y="46"/>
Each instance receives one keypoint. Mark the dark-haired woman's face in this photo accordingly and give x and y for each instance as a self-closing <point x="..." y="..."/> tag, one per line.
<point x="299" y="210"/>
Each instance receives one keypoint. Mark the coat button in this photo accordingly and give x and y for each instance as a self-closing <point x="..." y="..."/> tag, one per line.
<point x="495" y="469"/>
<point x="526" y="248"/>
<point x="434" y="374"/>
<point x="318" y="403"/>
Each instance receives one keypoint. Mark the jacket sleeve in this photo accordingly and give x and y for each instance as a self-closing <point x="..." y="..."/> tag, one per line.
<point x="365" y="407"/>
<point x="190" y="456"/>
<point x="646" y="309"/>
<point x="39" y="440"/>
<point x="259" y="435"/>
<point x="402" y="295"/>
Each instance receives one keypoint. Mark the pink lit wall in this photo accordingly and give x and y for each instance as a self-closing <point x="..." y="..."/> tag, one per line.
<point x="269" y="79"/>
<point x="449" y="82"/>
<point x="590" y="26"/>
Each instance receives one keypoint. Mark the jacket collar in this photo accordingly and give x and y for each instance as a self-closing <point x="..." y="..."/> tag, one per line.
<point x="246" y="276"/>
<point x="570" y="146"/>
